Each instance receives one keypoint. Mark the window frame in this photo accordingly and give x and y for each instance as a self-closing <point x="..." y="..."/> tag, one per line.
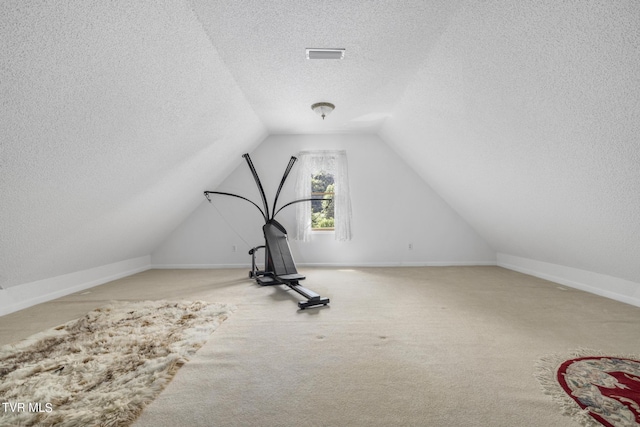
<point x="312" y="162"/>
<point x="322" y="193"/>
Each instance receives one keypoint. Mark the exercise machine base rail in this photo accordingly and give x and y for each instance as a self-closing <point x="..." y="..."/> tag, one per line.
<point x="267" y="279"/>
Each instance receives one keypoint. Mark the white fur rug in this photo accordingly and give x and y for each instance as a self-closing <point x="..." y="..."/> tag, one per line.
<point x="102" y="369"/>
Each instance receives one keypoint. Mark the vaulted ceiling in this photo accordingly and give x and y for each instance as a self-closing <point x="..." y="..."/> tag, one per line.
<point x="523" y="116"/>
<point x="263" y="46"/>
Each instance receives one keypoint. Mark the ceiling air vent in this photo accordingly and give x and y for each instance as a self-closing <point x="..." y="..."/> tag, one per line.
<point x="315" y="53"/>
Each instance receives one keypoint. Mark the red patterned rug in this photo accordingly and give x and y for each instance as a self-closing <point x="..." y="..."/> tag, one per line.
<point x="596" y="389"/>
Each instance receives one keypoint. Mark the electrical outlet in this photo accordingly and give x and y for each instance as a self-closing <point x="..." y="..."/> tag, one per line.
<point x="410" y="246"/>
<point x="234" y="248"/>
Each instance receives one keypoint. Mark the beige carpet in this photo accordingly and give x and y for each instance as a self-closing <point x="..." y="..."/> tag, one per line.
<point x="440" y="346"/>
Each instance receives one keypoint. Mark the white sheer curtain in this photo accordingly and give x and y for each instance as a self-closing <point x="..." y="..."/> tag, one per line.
<point x="334" y="162"/>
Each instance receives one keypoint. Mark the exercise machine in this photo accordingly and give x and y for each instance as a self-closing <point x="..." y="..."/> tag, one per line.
<point x="279" y="266"/>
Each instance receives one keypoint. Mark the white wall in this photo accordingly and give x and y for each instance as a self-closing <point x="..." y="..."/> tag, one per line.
<point x="392" y="207"/>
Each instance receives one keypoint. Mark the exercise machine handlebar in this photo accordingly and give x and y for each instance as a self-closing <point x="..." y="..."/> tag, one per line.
<point x="265" y="212"/>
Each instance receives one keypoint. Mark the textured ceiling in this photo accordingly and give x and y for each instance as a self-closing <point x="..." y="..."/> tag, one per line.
<point x="524" y="116"/>
<point x="263" y="45"/>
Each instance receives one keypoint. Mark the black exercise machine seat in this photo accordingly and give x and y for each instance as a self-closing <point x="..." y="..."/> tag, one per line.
<point x="282" y="267"/>
<point x="280" y="253"/>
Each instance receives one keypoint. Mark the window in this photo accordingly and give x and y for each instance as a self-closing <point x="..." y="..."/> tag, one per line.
<point x="323" y="174"/>
<point x="323" y="210"/>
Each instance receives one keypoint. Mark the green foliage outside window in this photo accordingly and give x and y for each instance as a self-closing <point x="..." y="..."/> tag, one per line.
<point x="322" y="210"/>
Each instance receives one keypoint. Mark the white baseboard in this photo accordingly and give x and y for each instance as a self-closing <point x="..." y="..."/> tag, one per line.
<point x="26" y="295"/>
<point x="331" y="264"/>
<point x="197" y="266"/>
<point x="600" y="284"/>
<point x="395" y="264"/>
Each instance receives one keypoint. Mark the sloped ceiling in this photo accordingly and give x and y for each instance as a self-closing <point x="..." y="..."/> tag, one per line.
<point x="115" y="115"/>
<point x="524" y="116"/>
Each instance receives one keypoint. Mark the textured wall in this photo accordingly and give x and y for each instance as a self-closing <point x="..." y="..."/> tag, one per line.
<point x="525" y="117"/>
<point x="114" y="116"/>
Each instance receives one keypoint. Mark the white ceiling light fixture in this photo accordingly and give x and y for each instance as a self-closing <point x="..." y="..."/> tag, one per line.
<point x="323" y="109"/>
<point x="324" y="53"/>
